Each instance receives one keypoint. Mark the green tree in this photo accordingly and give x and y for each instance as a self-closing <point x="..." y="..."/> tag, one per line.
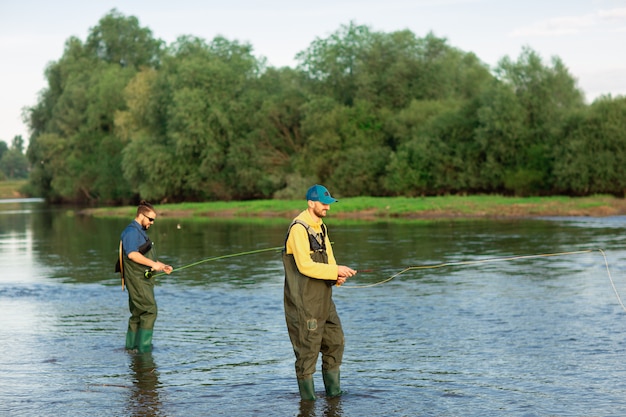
<point x="345" y="146"/>
<point x="499" y="135"/>
<point x="334" y="64"/>
<point x="593" y="157"/>
<point x="390" y="69"/>
<point x="547" y="95"/>
<point x="422" y="150"/>
<point x="120" y="40"/>
<point x="203" y="119"/>
<point x="77" y="109"/>
<point x="392" y="73"/>
<point x="260" y="164"/>
<point x="3" y="147"/>
<point x="13" y="162"/>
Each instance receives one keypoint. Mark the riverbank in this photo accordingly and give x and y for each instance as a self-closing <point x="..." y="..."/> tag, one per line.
<point x="12" y="188"/>
<point x="379" y="208"/>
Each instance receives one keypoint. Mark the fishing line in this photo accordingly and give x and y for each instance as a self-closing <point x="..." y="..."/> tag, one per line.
<point x="464" y="263"/>
<point x="499" y="259"/>
<point x="606" y="262"/>
<point x="216" y="258"/>
<point x="421" y="267"/>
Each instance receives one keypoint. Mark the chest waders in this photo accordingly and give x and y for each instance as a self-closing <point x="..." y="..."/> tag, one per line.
<point x="312" y="320"/>
<point x="141" y="302"/>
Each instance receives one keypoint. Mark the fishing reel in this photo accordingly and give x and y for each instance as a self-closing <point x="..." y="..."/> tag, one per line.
<point x="148" y="274"/>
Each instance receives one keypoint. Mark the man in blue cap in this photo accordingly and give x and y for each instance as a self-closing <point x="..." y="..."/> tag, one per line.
<point x="310" y="273"/>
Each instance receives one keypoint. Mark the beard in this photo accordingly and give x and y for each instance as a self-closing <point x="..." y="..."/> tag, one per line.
<point x="319" y="212"/>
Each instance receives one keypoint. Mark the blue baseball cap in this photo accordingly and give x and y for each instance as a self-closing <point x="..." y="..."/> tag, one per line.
<point x="319" y="193"/>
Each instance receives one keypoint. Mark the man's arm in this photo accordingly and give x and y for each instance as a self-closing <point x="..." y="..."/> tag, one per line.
<point x="154" y="265"/>
<point x="298" y="245"/>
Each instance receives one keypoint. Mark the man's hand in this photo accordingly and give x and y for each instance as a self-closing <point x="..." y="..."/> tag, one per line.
<point x="343" y="273"/>
<point x="161" y="267"/>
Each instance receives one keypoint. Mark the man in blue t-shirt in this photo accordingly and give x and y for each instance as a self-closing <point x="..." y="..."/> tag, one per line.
<point x="139" y="259"/>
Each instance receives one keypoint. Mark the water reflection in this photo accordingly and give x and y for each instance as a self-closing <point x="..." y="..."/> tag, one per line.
<point x="144" y="398"/>
<point x="327" y="407"/>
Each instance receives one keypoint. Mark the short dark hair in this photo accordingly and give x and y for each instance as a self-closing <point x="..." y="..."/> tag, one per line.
<point x="144" y="208"/>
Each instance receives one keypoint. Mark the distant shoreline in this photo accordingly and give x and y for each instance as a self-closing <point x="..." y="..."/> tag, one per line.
<point x="10" y="189"/>
<point x="400" y="208"/>
<point x="372" y="208"/>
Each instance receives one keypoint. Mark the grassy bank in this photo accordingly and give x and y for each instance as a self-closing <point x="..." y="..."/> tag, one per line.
<point x="12" y="188"/>
<point x="372" y="208"/>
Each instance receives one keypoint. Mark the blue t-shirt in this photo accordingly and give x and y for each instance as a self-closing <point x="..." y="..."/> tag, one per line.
<point x="133" y="237"/>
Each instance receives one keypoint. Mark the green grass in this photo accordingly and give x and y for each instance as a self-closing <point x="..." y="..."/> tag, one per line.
<point x="11" y="188"/>
<point x="459" y="207"/>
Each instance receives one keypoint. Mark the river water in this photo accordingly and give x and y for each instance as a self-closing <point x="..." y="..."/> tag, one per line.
<point x="484" y="336"/>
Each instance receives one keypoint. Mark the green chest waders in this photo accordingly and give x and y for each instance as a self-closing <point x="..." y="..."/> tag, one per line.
<point x="312" y="320"/>
<point x="141" y="303"/>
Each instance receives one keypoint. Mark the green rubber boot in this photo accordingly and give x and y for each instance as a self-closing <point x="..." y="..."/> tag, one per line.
<point x="331" y="383"/>
<point x="307" y="389"/>
<point x="144" y="340"/>
<point x="131" y="339"/>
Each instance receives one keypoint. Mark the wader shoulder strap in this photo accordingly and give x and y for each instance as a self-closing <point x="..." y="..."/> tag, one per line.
<point x="121" y="264"/>
<point x="317" y="241"/>
<point x="145" y="248"/>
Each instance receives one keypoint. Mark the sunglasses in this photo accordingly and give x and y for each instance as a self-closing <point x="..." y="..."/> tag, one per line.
<point x="151" y="219"/>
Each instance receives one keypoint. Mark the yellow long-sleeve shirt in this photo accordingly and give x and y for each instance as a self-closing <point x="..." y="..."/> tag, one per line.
<point x="298" y="245"/>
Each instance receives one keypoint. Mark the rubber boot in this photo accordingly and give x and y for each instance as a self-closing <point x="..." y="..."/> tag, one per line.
<point x="307" y="389"/>
<point x="144" y="340"/>
<point x="131" y="339"/>
<point x="331" y="383"/>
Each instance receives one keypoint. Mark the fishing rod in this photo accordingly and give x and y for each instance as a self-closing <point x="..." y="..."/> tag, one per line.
<point x="150" y="274"/>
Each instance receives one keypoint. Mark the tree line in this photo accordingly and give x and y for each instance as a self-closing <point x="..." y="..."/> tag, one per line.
<point x="125" y="116"/>
<point x="13" y="162"/>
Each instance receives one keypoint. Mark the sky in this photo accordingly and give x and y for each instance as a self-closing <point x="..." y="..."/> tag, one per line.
<point x="587" y="35"/>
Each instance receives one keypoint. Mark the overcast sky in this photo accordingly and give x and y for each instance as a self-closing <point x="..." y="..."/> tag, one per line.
<point x="588" y="35"/>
